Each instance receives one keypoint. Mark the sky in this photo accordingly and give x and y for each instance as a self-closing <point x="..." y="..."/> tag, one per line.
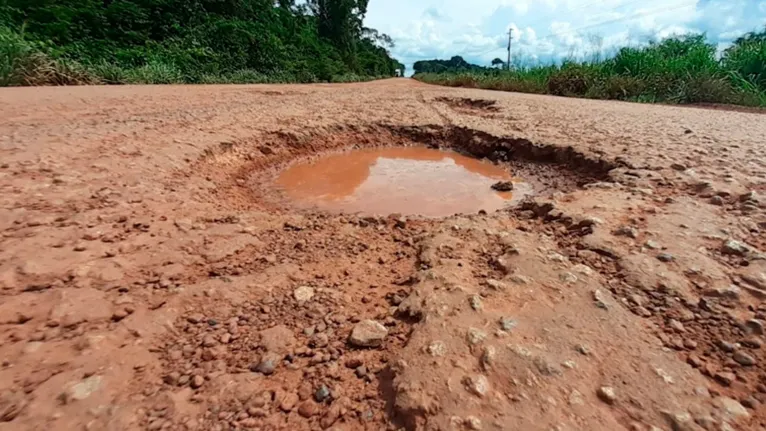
<point x="551" y="30"/>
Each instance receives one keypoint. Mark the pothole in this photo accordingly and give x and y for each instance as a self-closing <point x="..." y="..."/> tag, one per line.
<point x="470" y="104"/>
<point x="430" y="171"/>
<point x="410" y="180"/>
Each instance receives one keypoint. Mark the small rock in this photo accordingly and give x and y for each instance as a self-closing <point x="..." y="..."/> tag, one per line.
<point x="731" y="408"/>
<point x="322" y="393"/>
<point x="568" y="277"/>
<point x="507" y="324"/>
<point x="725" y="378"/>
<point x="682" y="421"/>
<point x="172" y="378"/>
<point x="665" y="257"/>
<point x="676" y="325"/>
<point x="267" y="364"/>
<point x="475" y="301"/>
<point x="694" y="361"/>
<point x="743" y="359"/>
<point x="731" y="292"/>
<point x="472" y="423"/>
<point x="197" y="381"/>
<point x="736" y="248"/>
<point x="475" y="336"/>
<point x="717" y="201"/>
<point x="195" y="318"/>
<point x="582" y="349"/>
<point x="288" y="402"/>
<point x="303" y="294"/>
<point x="477" y="385"/>
<point x="488" y="357"/>
<point x="368" y="333"/>
<point x="754" y="326"/>
<point x="307" y="409"/>
<point x="360" y="371"/>
<point x="686" y="315"/>
<point x="576" y="398"/>
<point x="750" y="403"/>
<point x="516" y="278"/>
<point x="643" y="312"/>
<point x="652" y="245"/>
<point x="749" y="196"/>
<point x="503" y="186"/>
<point x="209" y="341"/>
<point x="546" y="368"/>
<point x="607" y="394"/>
<point x="599" y="299"/>
<point x="726" y="346"/>
<point x="495" y="285"/>
<point x="628" y="231"/>
<point x="119" y="314"/>
<point x="332" y="415"/>
<point x="678" y="167"/>
<point x="184" y="380"/>
<point x="320" y="340"/>
<point x="84" y="389"/>
<point x="437" y="348"/>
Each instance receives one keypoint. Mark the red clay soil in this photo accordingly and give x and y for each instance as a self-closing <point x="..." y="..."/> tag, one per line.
<point x="153" y="278"/>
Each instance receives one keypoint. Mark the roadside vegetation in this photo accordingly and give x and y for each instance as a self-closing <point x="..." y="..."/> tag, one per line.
<point x="69" y="42"/>
<point x="680" y="69"/>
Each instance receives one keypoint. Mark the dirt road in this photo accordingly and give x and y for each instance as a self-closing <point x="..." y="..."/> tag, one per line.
<point x="151" y="278"/>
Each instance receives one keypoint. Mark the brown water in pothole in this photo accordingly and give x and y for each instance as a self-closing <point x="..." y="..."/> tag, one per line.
<point x="410" y="180"/>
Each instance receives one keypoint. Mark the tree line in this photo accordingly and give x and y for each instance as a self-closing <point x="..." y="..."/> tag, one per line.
<point x="117" y="41"/>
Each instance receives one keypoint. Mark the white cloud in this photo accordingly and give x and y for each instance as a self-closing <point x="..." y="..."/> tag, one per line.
<point x="549" y="30"/>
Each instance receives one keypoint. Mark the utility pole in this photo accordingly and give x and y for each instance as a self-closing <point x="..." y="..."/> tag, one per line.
<point x="510" y="38"/>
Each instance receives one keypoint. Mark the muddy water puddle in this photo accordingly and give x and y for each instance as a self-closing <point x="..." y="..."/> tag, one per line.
<point x="409" y="180"/>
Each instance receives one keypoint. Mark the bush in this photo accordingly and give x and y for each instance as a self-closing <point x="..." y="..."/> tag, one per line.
<point x="110" y="73"/>
<point x="571" y="80"/>
<point x="15" y="57"/>
<point x="155" y="72"/>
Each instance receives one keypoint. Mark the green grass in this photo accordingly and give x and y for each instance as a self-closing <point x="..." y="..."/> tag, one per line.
<point x="681" y="69"/>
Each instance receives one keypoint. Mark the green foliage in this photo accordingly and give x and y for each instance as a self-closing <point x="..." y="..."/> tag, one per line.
<point x="188" y="41"/>
<point x="681" y="69"/>
<point x="15" y="55"/>
<point x="747" y="58"/>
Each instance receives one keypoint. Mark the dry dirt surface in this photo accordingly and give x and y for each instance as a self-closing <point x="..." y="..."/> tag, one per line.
<point x="152" y="279"/>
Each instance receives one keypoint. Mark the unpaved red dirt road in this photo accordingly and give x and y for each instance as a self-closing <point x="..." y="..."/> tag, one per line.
<point x="153" y="279"/>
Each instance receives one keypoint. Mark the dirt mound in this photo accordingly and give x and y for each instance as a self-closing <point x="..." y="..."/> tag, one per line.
<point x="154" y="278"/>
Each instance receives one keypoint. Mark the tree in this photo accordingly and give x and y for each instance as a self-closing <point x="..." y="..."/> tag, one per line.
<point x="454" y="64"/>
<point x="197" y="39"/>
<point x="497" y="62"/>
<point x="340" y="22"/>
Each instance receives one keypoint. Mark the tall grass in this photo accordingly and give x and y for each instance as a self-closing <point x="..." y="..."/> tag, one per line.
<point x="681" y="69"/>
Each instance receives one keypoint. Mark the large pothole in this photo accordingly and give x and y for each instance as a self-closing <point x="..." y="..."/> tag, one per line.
<point x="381" y="170"/>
